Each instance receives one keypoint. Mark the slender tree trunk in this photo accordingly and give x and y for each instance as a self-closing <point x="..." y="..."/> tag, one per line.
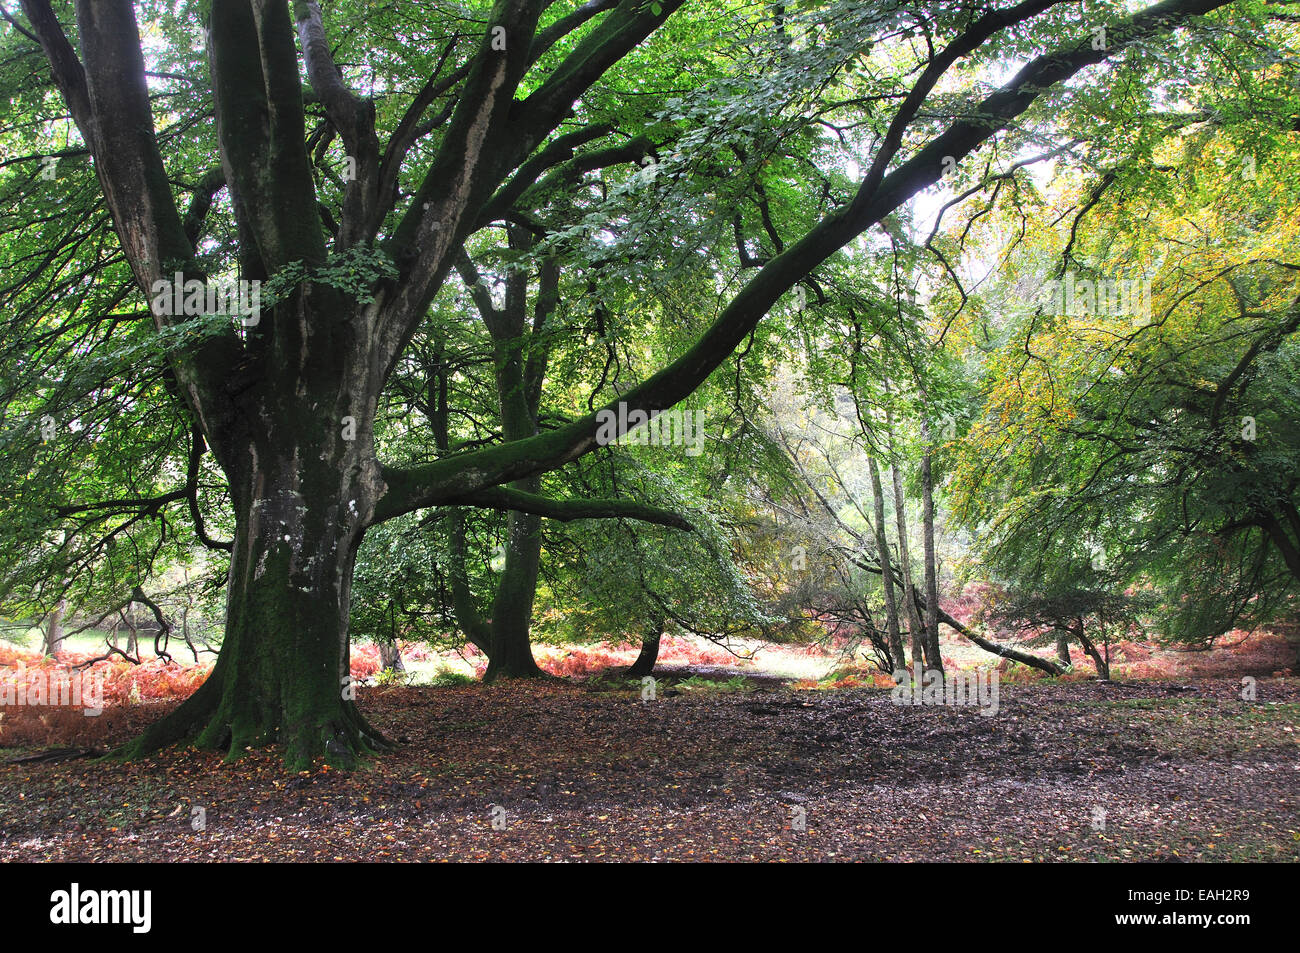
<point x="914" y="626"/>
<point x="1002" y="651"/>
<point x="390" y="653"/>
<point x="915" y="629"/>
<point x="54" y="628"/>
<point x="1102" y="664"/>
<point x="185" y="632"/>
<point x="898" y="655"/>
<point x="132" y="633"/>
<point x="934" y="659"/>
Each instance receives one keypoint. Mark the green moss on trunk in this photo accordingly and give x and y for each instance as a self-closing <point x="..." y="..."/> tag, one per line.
<point x="281" y="677"/>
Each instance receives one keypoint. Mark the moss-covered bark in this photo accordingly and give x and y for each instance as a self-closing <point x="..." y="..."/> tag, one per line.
<point x="280" y="678"/>
<point x="281" y="675"/>
<point x="519" y="386"/>
<point x="303" y="487"/>
<point x="510" y="654"/>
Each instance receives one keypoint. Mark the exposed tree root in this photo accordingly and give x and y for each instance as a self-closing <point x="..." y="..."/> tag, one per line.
<point x="213" y="720"/>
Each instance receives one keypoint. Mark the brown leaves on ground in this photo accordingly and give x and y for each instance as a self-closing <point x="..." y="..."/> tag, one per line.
<point x="1141" y="771"/>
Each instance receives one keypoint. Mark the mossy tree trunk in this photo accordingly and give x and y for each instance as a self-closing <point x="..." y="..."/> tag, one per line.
<point x="519" y="391"/>
<point x="302" y="501"/>
<point x="510" y="654"/>
<point x="519" y="363"/>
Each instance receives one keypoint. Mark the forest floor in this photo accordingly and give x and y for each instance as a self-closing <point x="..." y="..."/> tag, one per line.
<point x="742" y="769"/>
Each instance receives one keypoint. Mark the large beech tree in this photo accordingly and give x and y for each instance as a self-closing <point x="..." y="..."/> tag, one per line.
<point x="270" y="401"/>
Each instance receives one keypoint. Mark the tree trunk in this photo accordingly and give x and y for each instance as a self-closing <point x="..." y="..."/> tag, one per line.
<point x="283" y="672"/>
<point x="904" y="554"/>
<point x="132" y="633"/>
<point x="505" y="636"/>
<point x="185" y="633"/>
<point x="1063" y="649"/>
<point x="510" y="654"/>
<point x="390" y="657"/>
<point x="1102" y="664"/>
<point x="53" y="638"/>
<point x="1002" y="651"/>
<point x="898" y="658"/>
<point x="649" y="655"/>
<point x="519" y="379"/>
<point x="934" y="659"/>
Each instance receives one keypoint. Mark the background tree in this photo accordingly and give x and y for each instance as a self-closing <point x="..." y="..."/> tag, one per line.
<point x="1093" y="616"/>
<point x="1161" y="442"/>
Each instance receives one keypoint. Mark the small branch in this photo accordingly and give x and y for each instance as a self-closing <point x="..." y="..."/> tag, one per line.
<point x="164" y="627"/>
<point x="112" y="650"/>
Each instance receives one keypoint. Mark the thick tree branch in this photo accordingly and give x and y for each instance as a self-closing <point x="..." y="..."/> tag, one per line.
<point x="260" y="124"/>
<point x="68" y="72"/>
<point x="622" y="30"/>
<point x="997" y="648"/>
<point x="1268" y="343"/>
<point x="475" y="154"/>
<point x="506" y="498"/>
<point x="113" y="101"/>
<point x="409" y="128"/>
<point x="354" y="118"/>
<point x="975" y="36"/>
<point x="491" y="133"/>
<point x="567" y="24"/>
